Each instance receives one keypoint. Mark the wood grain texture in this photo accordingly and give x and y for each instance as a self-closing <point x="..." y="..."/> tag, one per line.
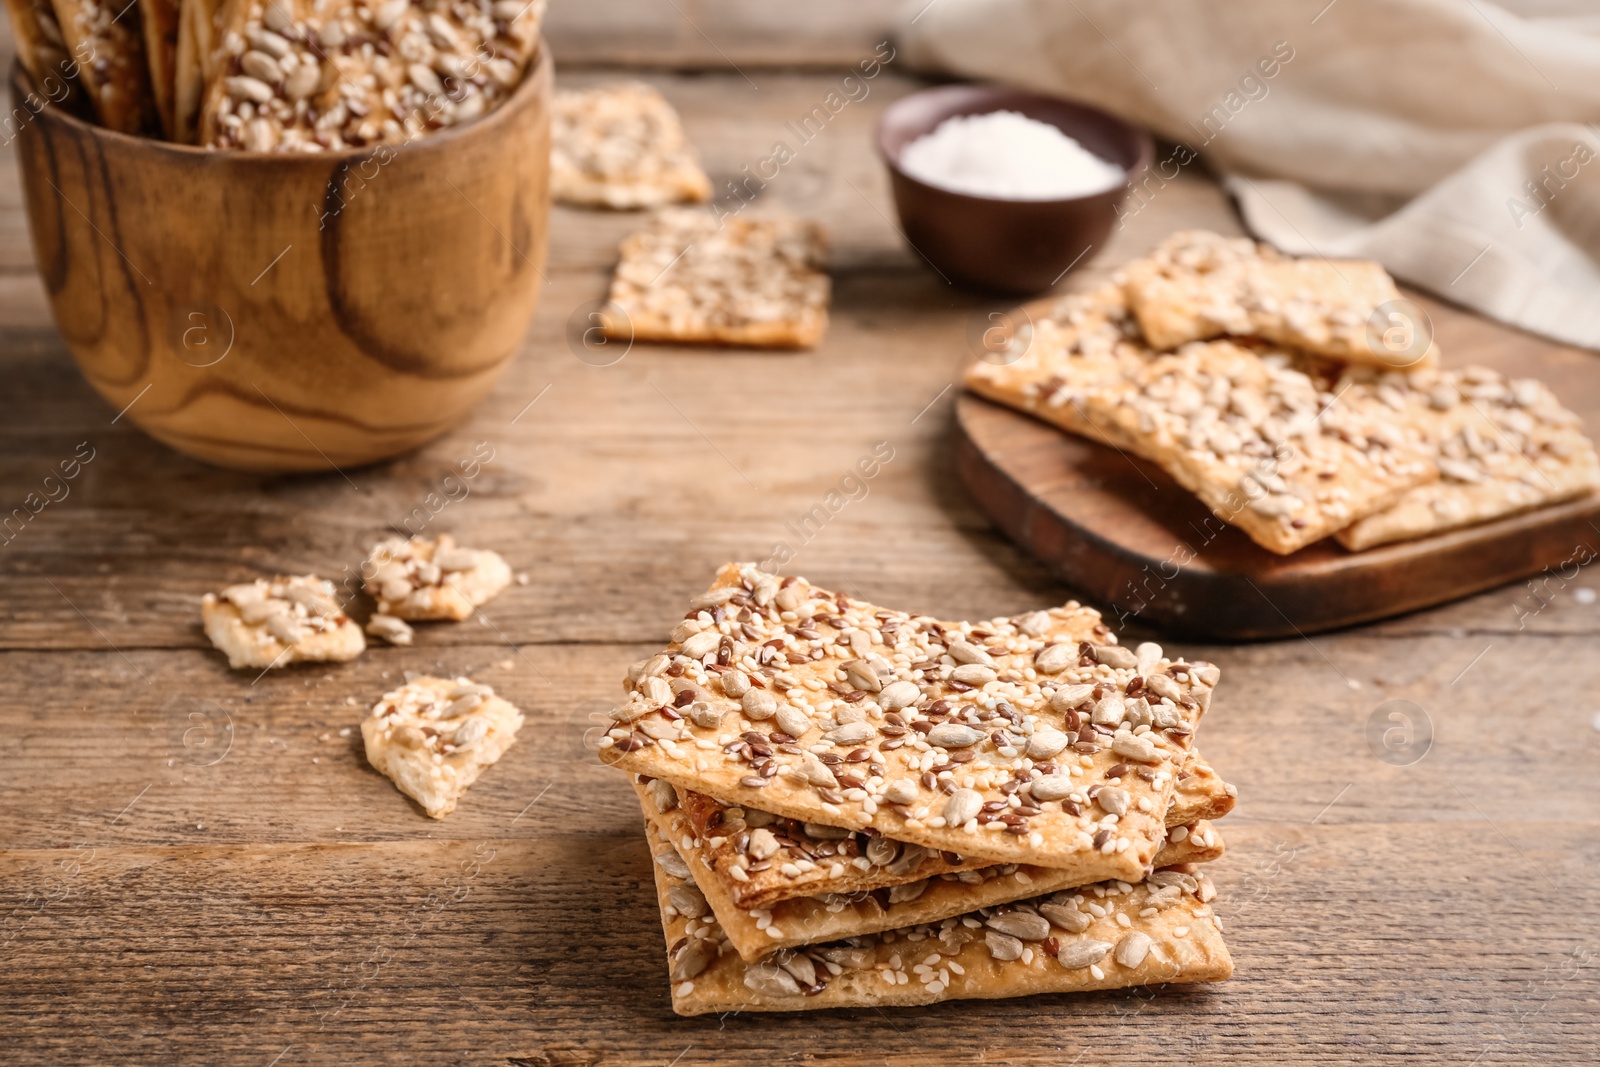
<point x="166" y="899"/>
<point x="396" y="312"/>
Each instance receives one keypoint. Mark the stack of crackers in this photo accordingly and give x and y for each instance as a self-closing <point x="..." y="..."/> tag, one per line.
<point x="851" y="806"/>
<point x="278" y="75"/>
<point x="1296" y="398"/>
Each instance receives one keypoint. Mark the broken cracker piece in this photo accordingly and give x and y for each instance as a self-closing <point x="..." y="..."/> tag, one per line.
<point x="621" y="146"/>
<point x="755" y="932"/>
<point x="692" y="278"/>
<point x="920" y="729"/>
<point x="433" y="737"/>
<point x="1155" y="931"/>
<point x="433" y="578"/>
<point x="1503" y="446"/>
<point x="275" y="623"/>
<point x="1198" y="285"/>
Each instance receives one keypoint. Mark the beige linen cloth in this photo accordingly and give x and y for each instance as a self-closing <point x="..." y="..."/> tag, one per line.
<point x="1453" y="141"/>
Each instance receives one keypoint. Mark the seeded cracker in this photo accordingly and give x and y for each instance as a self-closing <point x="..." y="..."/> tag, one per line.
<point x="310" y="75"/>
<point x="621" y="146"/>
<point x="41" y="48"/>
<point x="425" y="578"/>
<point x="1503" y="446"/>
<point x="200" y="26"/>
<point x="159" y="19"/>
<point x="986" y="954"/>
<point x="765" y="858"/>
<point x="1198" y="285"/>
<point x="757" y="932"/>
<point x="691" y="278"/>
<point x="264" y="624"/>
<point x="914" y="727"/>
<point x="105" y="35"/>
<point x="433" y="737"/>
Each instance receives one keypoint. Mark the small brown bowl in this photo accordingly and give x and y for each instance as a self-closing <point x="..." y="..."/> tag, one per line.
<point x="1010" y="246"/>
<point x="291" y="312"/>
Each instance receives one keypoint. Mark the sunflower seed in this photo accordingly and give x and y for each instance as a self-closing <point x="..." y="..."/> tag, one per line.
<point x="1110" y="711"/>
<point x="1046" y="742"/>
<point x="395" y="589"/>
<point x="847" y="956"/>
<point x="763" y="843"/>
<point x="824" y="832"/>
<point x="1035" y="624"/>
<point x="393" y="630"/>
<point x="276" y="16"/>
<point x="1003" y="946"/>
<point x="1071" y="697"/>
<point x="764" y="979"/>
<point x="698" y="646"/>
<point x="1023" y="924"/>
<point x="470" y="732"/>
<point x="1135" y="748"/>
<point x="261" y="66"/>
<point x="801" y="967"/>
<point x="662" y="795"/>
<point x="275" y="45"/>
<point x="910" y="858"/>
<point x="851" y="733"/>
<point x="881" y="851"/>
<point x="963" y="804"/>
<point x="899" y="894"/>
<point x="1051" y="787"/>
<point x="793" y="721"/>
<point x="816" y="772"/>
<point x="688" y="901"/>
<point x="862" y="676"/>
<point x="1114" y="656"/>
<point x="789" y="598"/>
<point x="692" y="959"/>
<point x="1138" y="712"/>
<point x="966" y="652"/>
<point x="632" y="711"/>
<point x="454" y="559"/>
<point x="1066" y="917"/>
<point x="759" y="704"/>
<point x="241" y="596"/>
<point x="714" y="598"/>
<point x="735" y="683"/>
<point x="898" y="695"/>
<point x="659" y="728"/>
<point x="1163" y="686"/>
<point x="387" y="14"/>
<point x="974" y="674"/>
<point x="1055" y="658"/>
<point x="1148" y="654"/>
<point x="704" y="715"/>
<point x="954" y="735"/>
<point x="285" y="629"/>
<point x="261" y="610"/>
<point x="1080" y="954"/>
<point x="901" y="791"/>
<point x="674" y="865"/>
<point x="766" y="588"/>
<point x="1133" y="948"/>
<point x="1113" y="800"/>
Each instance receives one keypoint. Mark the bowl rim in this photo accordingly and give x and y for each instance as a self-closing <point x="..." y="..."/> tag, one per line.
<point x="528" y="87"/>
<point x="1144" y="143"/>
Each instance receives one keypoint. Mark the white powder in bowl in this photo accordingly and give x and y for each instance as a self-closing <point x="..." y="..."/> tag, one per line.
<point x="1006" y="155"/>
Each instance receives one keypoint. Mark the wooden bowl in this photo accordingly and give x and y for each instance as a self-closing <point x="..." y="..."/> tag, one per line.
<point x="292" y="312"/>
<point x="1007" y="246"/>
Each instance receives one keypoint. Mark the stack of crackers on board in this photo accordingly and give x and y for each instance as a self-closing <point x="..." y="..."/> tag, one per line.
<point x="853" y="806"/>
<point x="1296" y="398"/>
<point x="278" y="75"/>
<point x="691" y="276"/>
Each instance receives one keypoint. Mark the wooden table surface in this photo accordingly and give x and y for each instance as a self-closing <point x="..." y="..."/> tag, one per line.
<point x="197" y="866"/>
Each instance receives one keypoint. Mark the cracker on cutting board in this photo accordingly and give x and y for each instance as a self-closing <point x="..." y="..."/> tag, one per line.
<point x="275" y="623"/>
<point x="159" y="20"/>
<point x="691" y="278"/>
<point x="765" y="858"/>
<point x="106" y="38"/>
<point x="1155" y="931"/>
<point x="756" y="932"/>
<point x="621" y="146"/>
<point x="433" y="737"/>
<point x="1197" y="285"/>
<point x="315" y="75"/>
<point x="433" y="578"/>
<point x="1503" y="446"/>
<point x="919" y="729"/>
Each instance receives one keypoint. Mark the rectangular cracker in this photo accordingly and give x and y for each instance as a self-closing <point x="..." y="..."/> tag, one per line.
<point x="307" y="76"/>
<point x="1503" y="447"/>
<point x="621" y="146"/>
<point x="900" y="700"/>
<point x="756" y="932"/>
<point x="106" y="37"/>
<point x="693" y="279"/>
<point x="1196" y="286"/>
<point x="956" y="958"/>
<point x="433" y="737"/>
<point x="159" y="20"/>
<point x="764" y="858"/>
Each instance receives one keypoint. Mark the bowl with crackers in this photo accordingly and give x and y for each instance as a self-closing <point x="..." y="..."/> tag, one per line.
<point x="287" y="235"/>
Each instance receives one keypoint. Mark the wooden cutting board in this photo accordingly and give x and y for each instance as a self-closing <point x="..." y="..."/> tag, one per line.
<point x="1135" y="543"/>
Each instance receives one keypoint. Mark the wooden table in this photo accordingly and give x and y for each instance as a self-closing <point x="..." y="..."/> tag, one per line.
<point x="198" y="866"/>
